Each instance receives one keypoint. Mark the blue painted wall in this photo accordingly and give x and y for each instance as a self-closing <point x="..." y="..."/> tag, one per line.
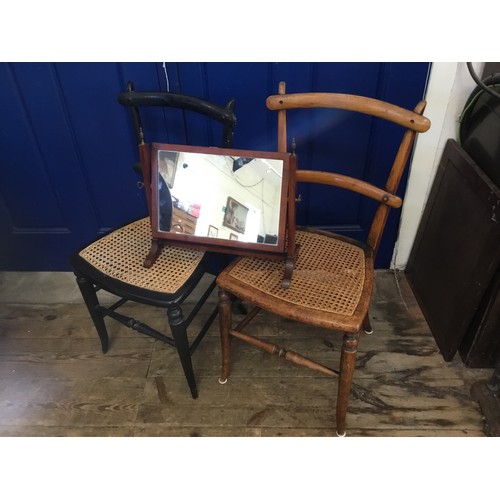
<point x="67" y="146"/>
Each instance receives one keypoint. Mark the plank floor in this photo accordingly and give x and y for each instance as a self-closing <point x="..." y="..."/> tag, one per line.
<point x="54" y="380"/>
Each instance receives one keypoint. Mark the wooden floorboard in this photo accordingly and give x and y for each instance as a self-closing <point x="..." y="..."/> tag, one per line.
<point x="54" y="380"/>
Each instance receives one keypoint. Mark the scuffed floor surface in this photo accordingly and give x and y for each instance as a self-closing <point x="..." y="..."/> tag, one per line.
<point x="54" y="380"/>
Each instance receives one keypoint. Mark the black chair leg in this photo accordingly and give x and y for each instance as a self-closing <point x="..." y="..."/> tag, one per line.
<point x="179" y="333"/>
<point x="90" y="297"/>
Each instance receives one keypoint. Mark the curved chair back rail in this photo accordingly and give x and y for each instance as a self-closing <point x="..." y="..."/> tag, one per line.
<point x="351" y="183"/>
<point x="349" y="102"/>
<point x="223" y="114"/>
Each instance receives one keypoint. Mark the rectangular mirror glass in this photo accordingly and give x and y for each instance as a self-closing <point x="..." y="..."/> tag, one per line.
<point x="219" y="198"/>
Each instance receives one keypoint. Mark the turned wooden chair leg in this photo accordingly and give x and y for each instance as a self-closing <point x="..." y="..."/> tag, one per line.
<point x="347" y="365"/>
<point x="367" y="327"/>
<point x="92" y="302"/>
<point x="225" y="321"/>
<point x="178" y="329"/>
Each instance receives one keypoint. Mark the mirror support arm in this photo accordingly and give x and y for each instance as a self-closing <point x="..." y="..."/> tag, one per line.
<point x="292" y="248"/>
<point x="154" y="253"/>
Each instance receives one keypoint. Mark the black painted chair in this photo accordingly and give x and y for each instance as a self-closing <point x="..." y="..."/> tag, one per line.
<point x="115" y="262"/>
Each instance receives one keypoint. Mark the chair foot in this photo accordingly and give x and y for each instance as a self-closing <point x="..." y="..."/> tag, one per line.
<point x="340" y="435"/>
<point x="367" y="327"/>
<point x="222" y="382"/>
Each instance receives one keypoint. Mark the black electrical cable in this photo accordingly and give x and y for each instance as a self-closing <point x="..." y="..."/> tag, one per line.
<point x="480" y="83"/>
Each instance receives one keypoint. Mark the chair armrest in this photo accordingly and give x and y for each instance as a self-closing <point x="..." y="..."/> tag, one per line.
<point x="351" y="183"/>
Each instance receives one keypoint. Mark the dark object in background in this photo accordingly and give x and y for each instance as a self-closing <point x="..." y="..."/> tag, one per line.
<point x="454" y="265"/>
<point x="479" y="132"/>
<point x="487" y="394"/>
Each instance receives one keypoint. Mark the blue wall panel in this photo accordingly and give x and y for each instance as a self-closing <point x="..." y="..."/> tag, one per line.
<point x="67" y="147"/>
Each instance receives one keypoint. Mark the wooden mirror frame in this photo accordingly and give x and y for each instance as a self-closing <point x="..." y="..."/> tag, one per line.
<point x="285" y="245"/>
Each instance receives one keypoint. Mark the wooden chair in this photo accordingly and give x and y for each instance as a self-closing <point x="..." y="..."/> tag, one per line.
<point x="115" y="262"/>
<point x="333" y="276"/>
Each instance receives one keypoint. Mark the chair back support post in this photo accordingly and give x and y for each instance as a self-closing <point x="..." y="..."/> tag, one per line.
<point x="291" y="246"/>
<point x="282" y="140"/>
<point x="228" y="125"/>
<point x="382" y="213"/>
<point x="136" y="118"/>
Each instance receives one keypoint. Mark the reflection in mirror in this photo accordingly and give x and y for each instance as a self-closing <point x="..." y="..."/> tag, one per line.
<point x="226" y="197"/>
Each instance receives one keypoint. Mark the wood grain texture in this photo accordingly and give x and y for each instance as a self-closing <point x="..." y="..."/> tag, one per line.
<point x="350" y="102"/>
<point x="351" y="183"/>
<point x="54" y="381"/>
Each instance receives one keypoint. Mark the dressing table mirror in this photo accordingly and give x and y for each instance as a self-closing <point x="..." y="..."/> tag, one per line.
<point x="224" y="200"/>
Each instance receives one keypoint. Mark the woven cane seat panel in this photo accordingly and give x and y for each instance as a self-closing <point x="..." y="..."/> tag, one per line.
<point x="121" y="255"/>
<point x="329" y="275"/>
